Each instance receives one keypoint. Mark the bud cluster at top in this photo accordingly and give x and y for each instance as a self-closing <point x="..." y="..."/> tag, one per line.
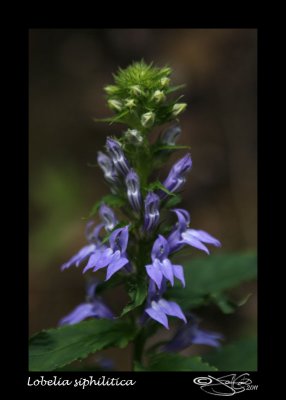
<point x="139" y="96"/>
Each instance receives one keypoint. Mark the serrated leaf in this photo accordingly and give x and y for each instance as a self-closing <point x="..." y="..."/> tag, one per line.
<point x="55" y="348"/>
<point x="175" y="362"/>
<point x="111" y="200"/>
<point x="211" y="275"/>
<point x="238" y="356"/>
<point x="137" y="293"/>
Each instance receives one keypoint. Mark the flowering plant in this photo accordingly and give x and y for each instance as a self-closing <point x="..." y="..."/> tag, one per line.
<point x="138" y="240"/>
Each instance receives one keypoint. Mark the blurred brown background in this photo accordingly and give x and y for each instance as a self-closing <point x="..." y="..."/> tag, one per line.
<point x="68" y="69"/>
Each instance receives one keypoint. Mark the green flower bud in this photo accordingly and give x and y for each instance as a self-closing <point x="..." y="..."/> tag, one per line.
<point x="159" y="96"/>
<point x="135" y="90"/>
<point x="130" y="103"/>
<point x="148" y="119"/>
<point x="111" y="89"/>
<point x="164" y="81"/>
<point x="178" y="108"/>
<point x="115" y="104"/>
<point x="134" y="136"/>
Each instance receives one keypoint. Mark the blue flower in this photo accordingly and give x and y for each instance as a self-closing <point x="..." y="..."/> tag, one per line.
<point x="93" y="307"/>
<point x="161" y="266"/>
<point x="151" y="215"/>
<point x="191" y="334"/>
<point x="118" y="158"/>
<point x="177" y="175"/>
<point x="158" y="308"/>
<point x="113" y="257"/>
<point x="107" y="167"/>
<point x="171" y="135"/>
<point x="133" y="190"/>
<point x="183" y="235"/>
<point x="108" y="217"/>
<point x="92" y="236"/>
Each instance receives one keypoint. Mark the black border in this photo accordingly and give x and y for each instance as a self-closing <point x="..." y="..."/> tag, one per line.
<point x="17" y="63"/>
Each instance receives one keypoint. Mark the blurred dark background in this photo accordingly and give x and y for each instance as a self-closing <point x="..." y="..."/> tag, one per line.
<point x="68" y="69"/>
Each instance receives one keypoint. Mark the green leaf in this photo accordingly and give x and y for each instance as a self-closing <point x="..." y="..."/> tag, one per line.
<point x="111" y="200"/>
<point x="227" y="305"/>
<point x="158" y="185"/>
<point x="239" y="356"/>
<point x="173" y="201"/>
<point x="172" y="89"/>
<point x="112" y="120"/>
<point x="170" y="147"/>
<point x="223" y="302"/>
<point x="138" y="293"/>
<point x="55" y="348"/>
<point x="114" y="281"/>
<point x="175" y="362"/>
<point x="206" y="277"/>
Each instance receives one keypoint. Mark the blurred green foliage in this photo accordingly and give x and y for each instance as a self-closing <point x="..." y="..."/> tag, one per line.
<point x="58" y="194"/>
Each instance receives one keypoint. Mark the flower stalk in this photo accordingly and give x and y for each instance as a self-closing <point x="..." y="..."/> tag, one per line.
<point x="140" y="249"/>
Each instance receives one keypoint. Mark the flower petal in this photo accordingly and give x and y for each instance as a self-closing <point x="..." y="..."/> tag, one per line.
<point x="160" y="248"/>
<point x="115" y="266"/>
<point x="171" y="308"/>
<point x="174" y="241"/>
<point x="105" y="258"/>
<point x="92" y="260"/>
<point x="184" y="218"/>
<point x="167" y="270"/>
<point x="158" y="315"/>
<point x="80" y="313"/>
<point x="178" y="271"/>
<point x="207" y="338"/>
<point x="155" y="274"/>
<point x="204" y="237"/>
<point x="119" y="239"/>
<point x="189" y="239"/>
<point x="79" y="256"/>
<point x="107" y="215"/>
<point x="101" y="310"/>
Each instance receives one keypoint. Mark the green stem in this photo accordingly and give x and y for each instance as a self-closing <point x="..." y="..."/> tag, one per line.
<point x="139" y="343"/>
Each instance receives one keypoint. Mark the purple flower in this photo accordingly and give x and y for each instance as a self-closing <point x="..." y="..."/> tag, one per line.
<point x="191" y="334"/>
<point x="159" y="310"/>
<point x="107" y="167"/>
<point x="113" y="257"/>
<point x="182" y="235"/>
<point x="92" y="236"/>
<point x="177" y="175"/>
<point x="108" y="217"/>
<point x="152" y="215"/>
<point x="93" y="307"/>
<point x="161" y="266"/>
<point x="133" y="190"/>
<point x="118" y="158"/>
<point x="171" y="135"/>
